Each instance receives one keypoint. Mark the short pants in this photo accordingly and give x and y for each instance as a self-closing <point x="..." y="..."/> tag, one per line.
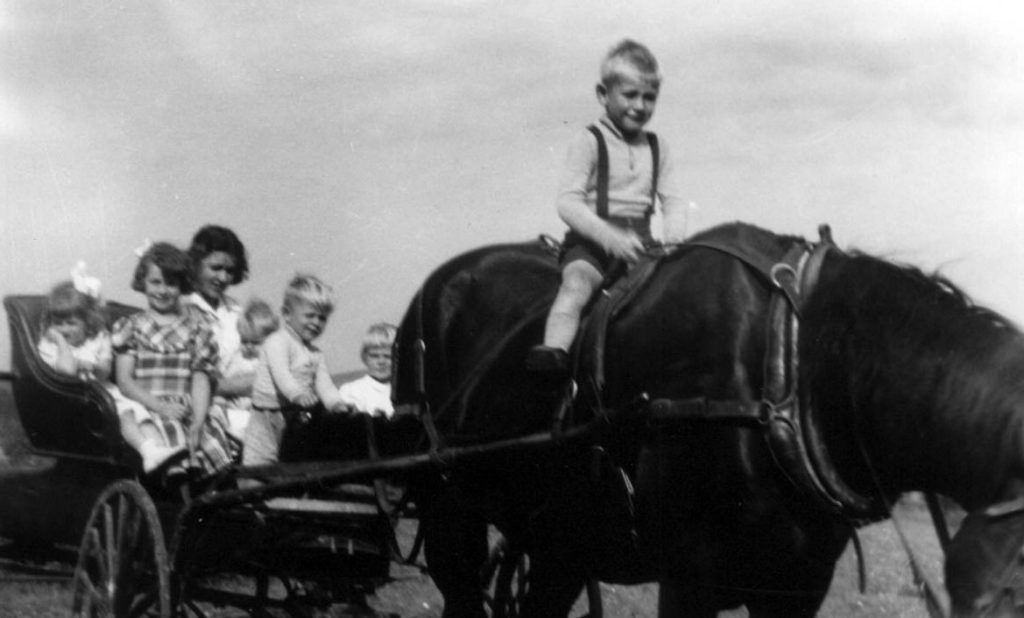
<point x="576" y="247"/>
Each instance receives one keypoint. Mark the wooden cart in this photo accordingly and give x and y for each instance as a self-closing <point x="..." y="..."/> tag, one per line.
<point x="306" y="536"/>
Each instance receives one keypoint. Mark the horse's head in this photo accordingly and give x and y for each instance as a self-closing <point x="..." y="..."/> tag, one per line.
<point x="985" y="563"/>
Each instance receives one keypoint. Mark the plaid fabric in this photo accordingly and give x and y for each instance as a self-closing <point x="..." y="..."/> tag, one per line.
<point x="216" y="450"/>
<point x="166" y="356"/>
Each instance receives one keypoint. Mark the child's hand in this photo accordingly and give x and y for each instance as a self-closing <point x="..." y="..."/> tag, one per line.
<point x="307" y="399"/>
<point x="174" y="411"/>
<point x="623" y="244"/>
<point x="342" y="407"/>
<point x="52" y="334"/>
<point x="123" y="333"/>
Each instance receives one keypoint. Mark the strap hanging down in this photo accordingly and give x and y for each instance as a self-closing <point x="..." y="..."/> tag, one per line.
<point x="602" y="170"/>
<point x="652" y="140"/>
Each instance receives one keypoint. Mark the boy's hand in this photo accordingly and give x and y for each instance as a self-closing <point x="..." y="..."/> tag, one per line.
<point x="307" y="400"/>
<point x="624" y="245"/>
<point x="342" y="408"/>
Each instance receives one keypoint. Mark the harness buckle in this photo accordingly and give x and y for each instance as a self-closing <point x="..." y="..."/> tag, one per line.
<point x="779" y="269"/>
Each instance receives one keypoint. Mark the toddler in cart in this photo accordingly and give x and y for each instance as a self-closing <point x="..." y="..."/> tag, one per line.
<point x="75" y="342"/>
<point x="255" y="324"/>
<point x="166" y="359"/>
<point x="371" y="393"/>
<point x="292" y="383"/>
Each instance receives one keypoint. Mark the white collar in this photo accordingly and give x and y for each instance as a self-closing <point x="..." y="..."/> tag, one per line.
<point x="227" y="304"/>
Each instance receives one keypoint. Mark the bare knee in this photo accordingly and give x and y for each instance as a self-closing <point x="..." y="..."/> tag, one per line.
<point x="579" y="280"/>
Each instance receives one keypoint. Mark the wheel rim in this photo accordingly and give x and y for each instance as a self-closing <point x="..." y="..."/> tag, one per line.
<point x="506" y="580"/>
<point x="122" y="567"/>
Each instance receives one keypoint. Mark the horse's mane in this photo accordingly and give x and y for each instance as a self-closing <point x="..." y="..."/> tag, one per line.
<point x="944" y="373"/>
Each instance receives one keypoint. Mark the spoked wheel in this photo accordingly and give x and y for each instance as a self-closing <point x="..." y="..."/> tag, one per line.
<point x="122" y="562"/>
<point x="394" y="505"/>
<point x="506" y="580"/>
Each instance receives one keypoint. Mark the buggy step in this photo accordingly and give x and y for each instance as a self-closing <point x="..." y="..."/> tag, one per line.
<point x="311" y="505"/>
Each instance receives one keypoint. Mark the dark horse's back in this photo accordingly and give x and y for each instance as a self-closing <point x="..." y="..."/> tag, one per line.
<point x="711" y="517"/>
<point x="473" y="319"/>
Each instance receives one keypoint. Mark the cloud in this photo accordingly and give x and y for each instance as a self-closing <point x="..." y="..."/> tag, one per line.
<point x="955" y="78"/>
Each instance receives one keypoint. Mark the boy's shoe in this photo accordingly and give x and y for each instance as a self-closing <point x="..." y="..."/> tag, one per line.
<point x="155" y="455"/>
<point x="548" y="360"/>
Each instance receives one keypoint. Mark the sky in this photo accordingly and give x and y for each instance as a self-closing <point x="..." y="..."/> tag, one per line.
<point x="368" y="142"/>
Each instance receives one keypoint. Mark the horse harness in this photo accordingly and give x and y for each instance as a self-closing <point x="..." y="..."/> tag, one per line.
<point x="791" y="432"/>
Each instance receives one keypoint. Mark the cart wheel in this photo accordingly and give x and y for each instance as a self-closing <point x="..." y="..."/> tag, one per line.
<point x="122" y="562"/>
<point x="506" y="580"/>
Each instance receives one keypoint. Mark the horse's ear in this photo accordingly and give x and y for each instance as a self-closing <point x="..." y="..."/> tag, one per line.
<point x="825" y="234"/>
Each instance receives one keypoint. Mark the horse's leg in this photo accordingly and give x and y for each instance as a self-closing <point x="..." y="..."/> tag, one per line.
<point x="555" y="584"/>
<point x="455" y="546"/>
<point x="681" y="599"/>
<point x="806" y="574"/>
<point x="797" y="606"/>
<point x="559" y="555"/>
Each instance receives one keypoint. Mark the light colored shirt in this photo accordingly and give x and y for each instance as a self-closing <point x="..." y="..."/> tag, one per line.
<point x="289" y="368"/>
<point x="368" y="395"/>
<point x="95" y="352"/>
<point x="224" y="323"/>
<point x="630" y="166"/>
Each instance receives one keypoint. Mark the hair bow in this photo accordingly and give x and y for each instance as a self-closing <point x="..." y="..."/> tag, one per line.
<point x="143" y="248"/>
<point x="90" y="286"/>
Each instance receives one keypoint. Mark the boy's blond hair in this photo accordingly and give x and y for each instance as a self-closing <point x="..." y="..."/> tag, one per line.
<point x="309" y="289"/>
<point x="379" y="335"/>
<point x="258" y="320"/>
<point x="631" y="53"/>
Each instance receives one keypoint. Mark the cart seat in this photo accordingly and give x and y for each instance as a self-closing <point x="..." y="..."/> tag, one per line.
<point x="62" y="416"/>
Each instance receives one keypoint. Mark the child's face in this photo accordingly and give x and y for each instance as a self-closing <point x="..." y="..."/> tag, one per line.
<point x="305" y="319"/>
<point x="252" y="339"/>
<point x="378" y="362"/>
<point x="162" y="295"/>
<point x="629" y="101"/>
<point x="71" y="327"/>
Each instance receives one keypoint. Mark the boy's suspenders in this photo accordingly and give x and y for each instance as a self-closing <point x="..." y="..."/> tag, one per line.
<point x="602" y="170"/>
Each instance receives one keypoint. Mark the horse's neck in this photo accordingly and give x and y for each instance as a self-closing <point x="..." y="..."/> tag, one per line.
<point x="915" y="393"/>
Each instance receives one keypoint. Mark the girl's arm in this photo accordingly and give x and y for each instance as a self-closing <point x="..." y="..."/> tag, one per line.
<point x="276" y="349"/>
<point x="239" y="385"/>
<point x="326" y="389"/>
<point x="200" y="391"/>
<point x="124" y="370"/>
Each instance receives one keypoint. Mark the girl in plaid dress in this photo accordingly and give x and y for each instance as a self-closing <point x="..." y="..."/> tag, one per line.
<point x="167" y="359"/>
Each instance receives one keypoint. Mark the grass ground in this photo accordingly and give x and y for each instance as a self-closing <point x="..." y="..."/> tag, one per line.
<point x="46" y="592"/>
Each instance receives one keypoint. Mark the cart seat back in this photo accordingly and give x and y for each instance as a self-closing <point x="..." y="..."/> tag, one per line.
<point x="61" y="415"/>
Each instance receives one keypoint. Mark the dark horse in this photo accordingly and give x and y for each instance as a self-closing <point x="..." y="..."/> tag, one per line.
<point x="902" y="384"/>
